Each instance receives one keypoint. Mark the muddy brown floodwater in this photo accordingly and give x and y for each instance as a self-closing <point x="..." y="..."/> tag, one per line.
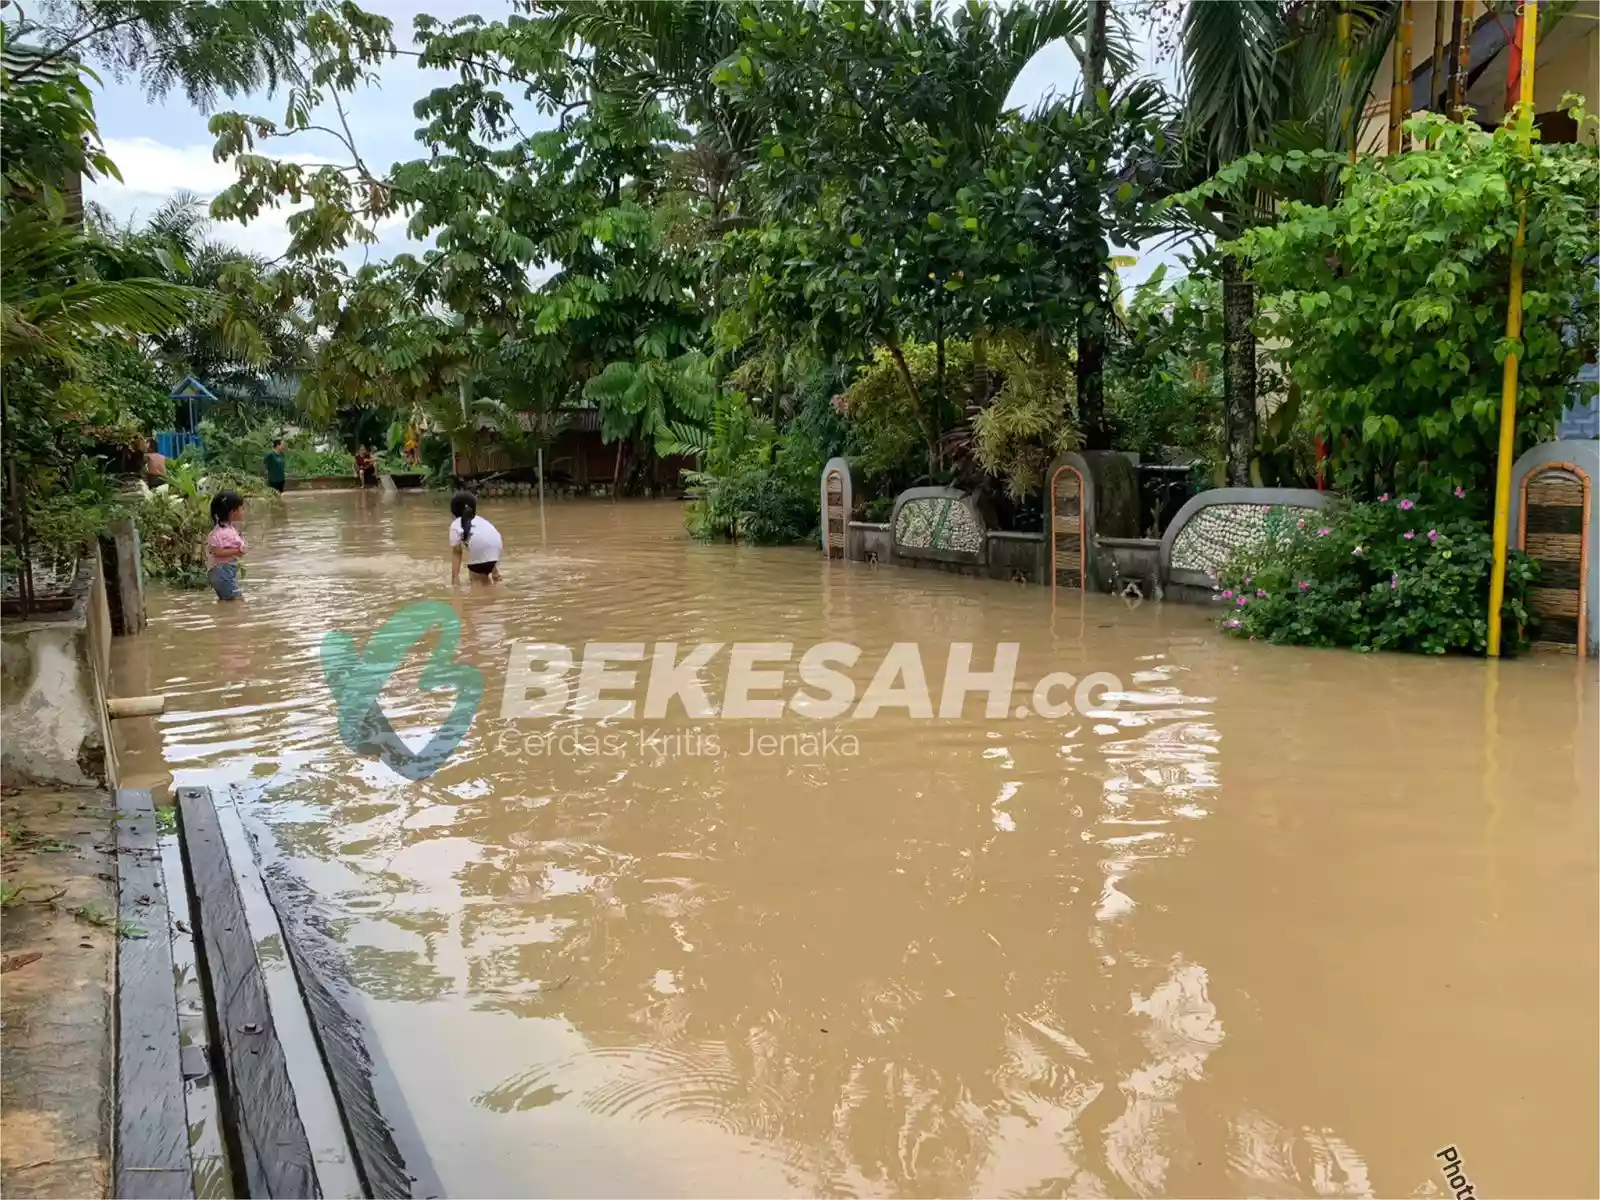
<point x="1280" y="922"/>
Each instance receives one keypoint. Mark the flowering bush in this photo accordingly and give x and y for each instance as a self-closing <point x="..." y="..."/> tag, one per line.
<point x="1387" y="575"/>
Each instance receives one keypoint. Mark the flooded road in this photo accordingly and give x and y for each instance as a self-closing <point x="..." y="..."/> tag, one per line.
<point x="1281" y="922"/>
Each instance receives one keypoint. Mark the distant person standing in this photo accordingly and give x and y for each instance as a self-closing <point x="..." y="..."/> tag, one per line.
<point x="276" y="475"/>
<point x="155" y="464"/>
<point x="366" y="469"/>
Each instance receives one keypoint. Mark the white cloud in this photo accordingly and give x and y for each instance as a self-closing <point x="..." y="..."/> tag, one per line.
<point x="153" y="171"/>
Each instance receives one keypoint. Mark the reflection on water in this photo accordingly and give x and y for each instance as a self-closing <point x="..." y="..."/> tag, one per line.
<point x="1281" y="922"/>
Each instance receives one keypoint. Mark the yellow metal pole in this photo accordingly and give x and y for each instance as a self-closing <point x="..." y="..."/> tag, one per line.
<point x="1528" y="17"/>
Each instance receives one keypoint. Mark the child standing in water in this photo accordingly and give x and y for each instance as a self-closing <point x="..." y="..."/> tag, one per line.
<point x="473" y="538"/>
<point x="224" y="546"/>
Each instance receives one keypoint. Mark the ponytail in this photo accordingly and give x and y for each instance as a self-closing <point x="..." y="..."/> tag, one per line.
<point x="223" y="506"/>
<point x="465" y="506"/>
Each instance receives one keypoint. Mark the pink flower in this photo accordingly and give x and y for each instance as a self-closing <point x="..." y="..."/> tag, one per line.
<point x="1260" y="595"/>
<point x="1433" y="535"/>
<point x="1383" y="499"/>
<point x="1394" y="582"/>
<point x="1304" y="586"/>
<point x="1301" y="523"/>
<point x="1247" y="579"/>
<point x="1324" y="531"/>
<point x="1231" y="623"/>
<point x="1461" y="493"/>
<point x="1409" y="534"/>
<point x="1406" y="506"/>
<point x="1228" y="595"/>
<point x="1242" y="601"/>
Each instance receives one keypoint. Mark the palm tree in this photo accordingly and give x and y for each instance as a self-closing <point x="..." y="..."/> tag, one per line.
<point x="244" y="340"/>
<point x="51" y="307"/>
<point x="1267" y="74"/>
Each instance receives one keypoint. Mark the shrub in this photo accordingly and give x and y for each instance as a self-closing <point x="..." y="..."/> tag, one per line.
<point x="1394" y="299"/>
<point x="172" y="534"/>
<point x="174" y="521"/>
<point x="1384" y="575"/>
<point x="753" y="484"/>
<point x="763" y="503"/>
<point x="1029" y="420"/>
<point x="242" y="450"/>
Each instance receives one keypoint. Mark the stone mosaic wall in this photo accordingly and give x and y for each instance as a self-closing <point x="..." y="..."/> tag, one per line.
<point x="1218" y="531"/>
<point x="937" y="523"/>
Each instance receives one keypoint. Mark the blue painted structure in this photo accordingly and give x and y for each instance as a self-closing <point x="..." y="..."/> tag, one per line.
<point x="173" y="442"/>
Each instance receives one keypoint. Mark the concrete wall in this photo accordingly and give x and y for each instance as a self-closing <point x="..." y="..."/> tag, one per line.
<point x="868" y="541"/>
<point x="320" y="483"/>
<point x="54" y="672"/>
<point x="1020" y="556"/>
<point x="1132" y="560"/>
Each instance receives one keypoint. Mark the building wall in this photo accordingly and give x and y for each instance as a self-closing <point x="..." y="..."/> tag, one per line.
<point x="1568" y="61"/>
<point x="580" y="457"/>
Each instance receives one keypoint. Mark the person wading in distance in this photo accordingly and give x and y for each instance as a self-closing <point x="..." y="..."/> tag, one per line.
<point x="474" y="539"/>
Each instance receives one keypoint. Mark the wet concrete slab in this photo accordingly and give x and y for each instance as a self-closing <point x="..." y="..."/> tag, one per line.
<point x="58" y="937"/>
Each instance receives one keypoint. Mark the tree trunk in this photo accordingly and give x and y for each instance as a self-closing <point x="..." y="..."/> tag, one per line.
<point x="1091" y="381"/>
<point x="1238" y="370"/>
<point x="1090" y="374"/>
<point x="930" y="436"/>
<point x="1094" y="52"/>
<point x="1400" y="89"/>
<point x="616" y="471"/>
<point x="1460" y="61"/>
<point x="1347" y="125"/>
<point x="979" y="396"/>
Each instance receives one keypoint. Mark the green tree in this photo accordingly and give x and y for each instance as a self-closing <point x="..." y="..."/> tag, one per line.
<point x="1394" y="299"/>
<point x="208" y="48"/>
<point x="1265" y="75"/>
<point x="248" y="335"/>
<point x="901" y="199"/>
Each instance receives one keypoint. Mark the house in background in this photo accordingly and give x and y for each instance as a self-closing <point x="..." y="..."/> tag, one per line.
<point x="1568" y="60"/>
<point x="578" y="459"/>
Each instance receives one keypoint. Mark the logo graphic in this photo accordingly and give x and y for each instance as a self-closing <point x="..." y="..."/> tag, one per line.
<point x="356" y="679"/>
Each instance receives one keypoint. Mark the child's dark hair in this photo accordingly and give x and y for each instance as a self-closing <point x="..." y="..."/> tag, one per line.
<point x="465" y="506"/>
<point x="224" y="505"/>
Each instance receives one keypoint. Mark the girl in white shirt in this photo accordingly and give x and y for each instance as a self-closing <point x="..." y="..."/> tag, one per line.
<point x="473" y="538"/>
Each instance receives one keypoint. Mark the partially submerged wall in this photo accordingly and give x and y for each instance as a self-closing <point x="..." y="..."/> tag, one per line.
<point x="1215" y="525"/>
<point x="54" y="671"/>
<point x="1554" y="520"/>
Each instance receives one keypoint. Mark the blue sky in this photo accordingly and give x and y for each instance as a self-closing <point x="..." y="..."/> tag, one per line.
<point x="163" y="146"/>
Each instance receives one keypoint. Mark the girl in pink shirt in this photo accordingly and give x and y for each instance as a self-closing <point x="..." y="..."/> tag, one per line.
<point x="224" y="546"/>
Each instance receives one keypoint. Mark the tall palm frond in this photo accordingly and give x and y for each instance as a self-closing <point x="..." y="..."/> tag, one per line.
<point x="49" y="308"/>
<point x="1234" y="73"/>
